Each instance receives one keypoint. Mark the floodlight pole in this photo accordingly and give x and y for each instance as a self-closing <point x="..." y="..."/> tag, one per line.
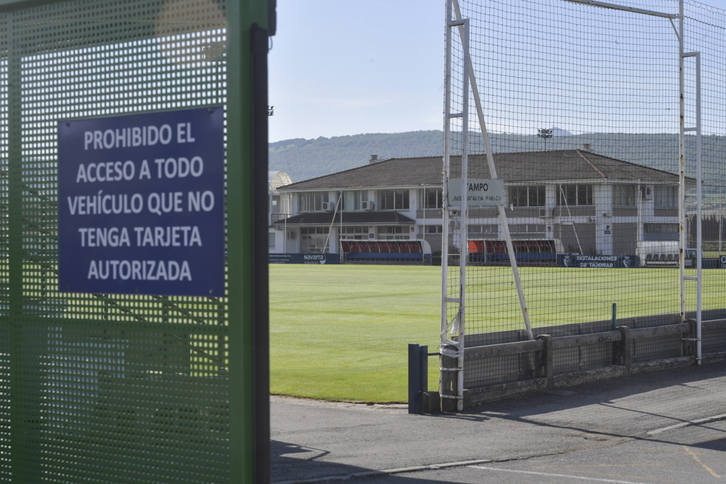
<point x="545" y="134"/>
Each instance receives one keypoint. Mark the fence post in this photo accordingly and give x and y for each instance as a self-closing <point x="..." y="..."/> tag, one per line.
<point x="417" y="376"/>
<point x="449" y="379"/>
<point x="688" y="346"/>
<point x="546" y="360"/>
<point x="622" y="351"/>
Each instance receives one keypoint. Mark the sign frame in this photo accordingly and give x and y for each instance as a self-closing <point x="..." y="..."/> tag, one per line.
<point x="243" y="324"/>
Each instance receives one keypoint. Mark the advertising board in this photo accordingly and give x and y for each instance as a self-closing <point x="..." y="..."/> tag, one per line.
<point x="304" y="258"/>
<point x="598" y="261"/>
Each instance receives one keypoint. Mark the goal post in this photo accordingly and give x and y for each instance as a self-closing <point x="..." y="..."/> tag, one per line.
<point x="593" y="115"/>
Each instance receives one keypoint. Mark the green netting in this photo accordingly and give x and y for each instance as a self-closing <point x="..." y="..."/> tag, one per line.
<point x="104" y="388"/>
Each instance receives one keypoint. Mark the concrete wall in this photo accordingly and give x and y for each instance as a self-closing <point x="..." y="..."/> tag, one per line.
<point x="487" y="371"/>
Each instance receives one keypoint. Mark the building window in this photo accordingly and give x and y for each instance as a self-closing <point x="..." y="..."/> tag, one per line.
<point x="624" y="195"/>
<point x="433" y="229"/>
<point x="666" y="197"/>
<point x="394" y="232"/>
<point x="275" y="204"/>
<point x="527" y="196"/>
<point x="489" y="229"/>
<point x="527" y="229"/>
<point x="394" y="199"/>
<point x="574" y="195"/>
<point x="433" y="198"/>
<point x="312" y="202"/>
<point x="313" y="240"/>
<point x="270" y="240"/>
<point x="353" y="200"/>
<point x="354" y="232"/>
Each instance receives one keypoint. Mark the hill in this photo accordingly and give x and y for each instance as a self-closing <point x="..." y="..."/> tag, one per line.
<point x="304" y="159"/>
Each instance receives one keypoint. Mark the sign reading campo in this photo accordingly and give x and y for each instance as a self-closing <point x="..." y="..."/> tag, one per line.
<point x="480" y="192"/>
<point x="141" y="203"/>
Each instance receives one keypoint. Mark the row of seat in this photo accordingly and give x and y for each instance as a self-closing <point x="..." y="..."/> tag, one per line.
<point x="545" y="246"/>
<point x="382" y="246"/>
<point x="666" y="257"/>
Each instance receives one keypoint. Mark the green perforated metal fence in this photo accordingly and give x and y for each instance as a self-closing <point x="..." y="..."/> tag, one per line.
<point x="111" y="387"/>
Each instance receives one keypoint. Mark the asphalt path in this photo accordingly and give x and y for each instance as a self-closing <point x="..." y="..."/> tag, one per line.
<point x="667" y="426"/>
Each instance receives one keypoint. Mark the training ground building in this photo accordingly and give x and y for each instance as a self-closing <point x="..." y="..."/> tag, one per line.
<point x="588" y="203"/>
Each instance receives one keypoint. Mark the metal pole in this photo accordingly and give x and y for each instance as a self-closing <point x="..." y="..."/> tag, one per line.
<point x="452" y="349"/>
<point x="640" y="228"/>
<point x="682" y="188"/>
<point x="493" y="173"/>
<point x="699" y="207"/>
<point x="423" y="228"/>
<point x="444" y="358"/>
<point x="445" y="188"/>
<point x="681" y="164"/>
<point x="464" y="216"/>
<point x="624" y="8"/>
<point x="417" y="377"/>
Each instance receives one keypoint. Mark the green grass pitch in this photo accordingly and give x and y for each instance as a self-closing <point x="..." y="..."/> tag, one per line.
<point x="340" y="332"/>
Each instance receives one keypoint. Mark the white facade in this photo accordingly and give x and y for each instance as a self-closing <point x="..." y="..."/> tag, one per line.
<point x="590" y="204"/>
<point x="589" y="228"/>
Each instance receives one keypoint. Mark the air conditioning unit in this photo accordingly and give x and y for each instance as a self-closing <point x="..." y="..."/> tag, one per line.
<point x="291" y="235"/>
<point x="367" y="205"/>
<point x="607" y="214"/>
<point x="546" y="212"/>
<point x="328" y="206"/>
<point x="591" y="219"/>
<point x="647" y="193"/>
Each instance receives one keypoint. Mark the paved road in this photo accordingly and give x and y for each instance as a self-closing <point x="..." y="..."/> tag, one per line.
<point x="648" y="428"/>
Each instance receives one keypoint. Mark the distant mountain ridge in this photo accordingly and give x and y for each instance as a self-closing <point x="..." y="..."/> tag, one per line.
<point x="304" y="159"/>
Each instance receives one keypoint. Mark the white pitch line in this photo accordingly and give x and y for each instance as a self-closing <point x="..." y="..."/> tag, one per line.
<point x="688" y="424"/>
<point x="545" y="474"/>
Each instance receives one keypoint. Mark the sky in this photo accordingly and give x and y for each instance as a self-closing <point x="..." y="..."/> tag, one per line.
<point x="346" y="67"/>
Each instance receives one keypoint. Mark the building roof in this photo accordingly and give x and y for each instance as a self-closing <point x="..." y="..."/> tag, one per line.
<point x="349" y="218"/>
<point x="513" y="168"/>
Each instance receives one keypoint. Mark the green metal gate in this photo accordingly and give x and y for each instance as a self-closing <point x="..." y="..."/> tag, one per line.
<point x="128" y="388"/>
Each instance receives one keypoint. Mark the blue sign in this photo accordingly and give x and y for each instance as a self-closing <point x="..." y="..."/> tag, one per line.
<point x="304" y="258"/>
<point x="598" y="261"/>
<point x="141" y="204"/>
